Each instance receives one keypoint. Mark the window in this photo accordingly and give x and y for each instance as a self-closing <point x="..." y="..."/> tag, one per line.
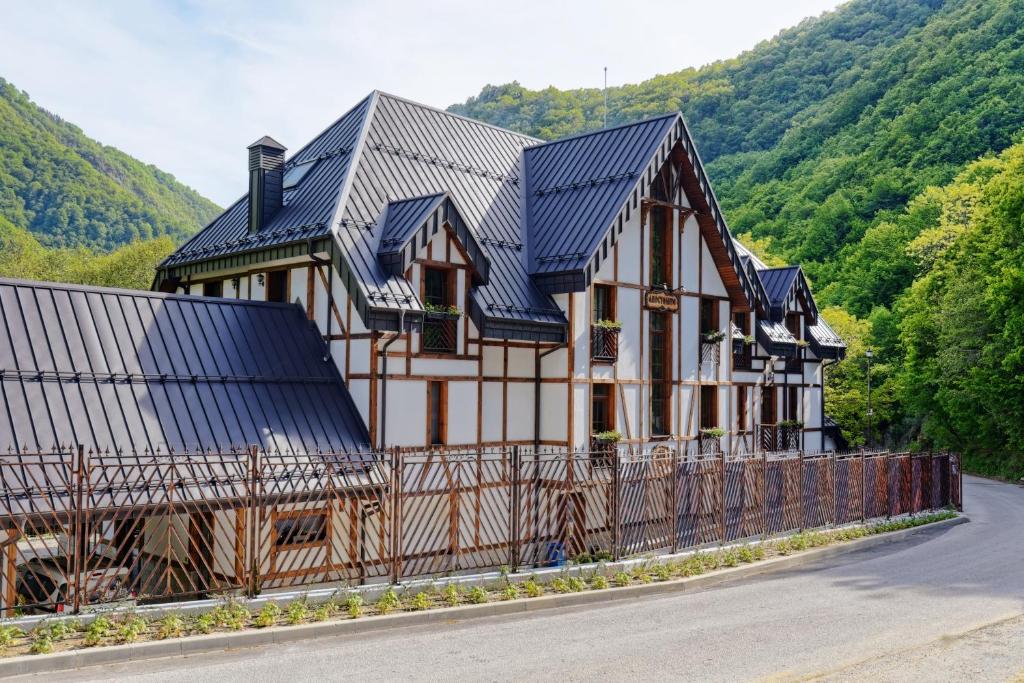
<point x="708" y="315"/>
<point x="742" y="322"/>
<point x="213" y="288"/>
<point x="767" y="405"/>
<point x="708" y="407"/>
<point x="604" y="302"/>
<point x="437" y="413"/>
<point x="793" y="324"/>
<point x="602" y="411"/>
<point x="440" y="333"/>
<point x="277" y="286"/>
<point x="296" y="173"/>
<point x="741" y="408"/>
<point x="300" y="529"/>
<point x="793" y="404"/>
<point x="661" y="373"/>
<point x="661" y="247"/>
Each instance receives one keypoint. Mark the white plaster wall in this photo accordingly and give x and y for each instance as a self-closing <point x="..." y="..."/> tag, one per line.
<point x="521" y="362"/>
<point x="438" y="366"/>
<point x="462" y="412"/>
<point x="554" y="414"/>
<point x="492" y="411"/>
<point x="407" y="413"/>
<point x="520" y="411"/>
<point x="628" y="303"/>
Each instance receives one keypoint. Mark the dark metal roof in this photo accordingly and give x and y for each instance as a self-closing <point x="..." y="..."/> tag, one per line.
<point x="784" y="286"/>
<point x="577" y="186"/>
<point x="308" y="207"/>
<point x="110" y="368"/>
<point x="775" y="338"/>
<point x="409" y="224"/>
<point x="778" y="282"/>
<point x="825" y="343"/>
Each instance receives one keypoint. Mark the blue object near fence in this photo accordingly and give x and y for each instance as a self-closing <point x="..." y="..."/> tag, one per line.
<point x="555" y="555"/>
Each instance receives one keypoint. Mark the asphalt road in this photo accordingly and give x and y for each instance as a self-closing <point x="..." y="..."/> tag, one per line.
<point x="946" y="605"/>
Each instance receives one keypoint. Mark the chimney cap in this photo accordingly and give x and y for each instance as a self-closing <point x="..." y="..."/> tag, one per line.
<point x="267" y="141"/>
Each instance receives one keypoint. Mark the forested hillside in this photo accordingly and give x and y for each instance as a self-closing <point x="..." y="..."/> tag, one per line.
<point x="70" y="191"/>
<point x="848" y="144"/>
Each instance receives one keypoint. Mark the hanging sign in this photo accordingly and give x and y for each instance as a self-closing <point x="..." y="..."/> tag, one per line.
<point x="658" y="300"/>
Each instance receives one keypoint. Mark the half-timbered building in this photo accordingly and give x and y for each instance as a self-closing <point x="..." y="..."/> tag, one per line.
<point x="475" y="286"/>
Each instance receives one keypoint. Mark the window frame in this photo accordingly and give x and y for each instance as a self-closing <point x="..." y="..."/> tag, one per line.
<point x="270" y="274"/>
<point x="741" y="408"/>
<point x="282" y="515"/>
<point x="442" y="413"/>
<point x="665" y="232"/>
<point x="712" y="391"/>
<point x="216" y="284"/>
<point x="609" y="404"/>
<point x="661" y="387"/>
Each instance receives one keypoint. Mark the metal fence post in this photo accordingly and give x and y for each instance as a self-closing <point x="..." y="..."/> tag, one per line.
<point x="514" y="547"/>
<point x="835" y="490"/>
<point x="764" y="494"/>
<point x="725" y="490"/>
<point x="863" y="487"/>
<point x="616" y="465"/>
<point x="800" y="491"/>
<point x="674" y="499"/>
<point x="255" y="526"/>
<point x="396" y="514"/>
<point x="80" y="550"/>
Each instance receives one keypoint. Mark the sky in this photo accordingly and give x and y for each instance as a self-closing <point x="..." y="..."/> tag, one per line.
<point x="187" y="85"/>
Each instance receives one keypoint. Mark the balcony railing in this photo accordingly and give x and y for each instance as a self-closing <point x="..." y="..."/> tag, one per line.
<point x="602" y="453"/>
<point x="709" y="445"/>
<point x="440" y="333"/>
<point x="775" y="437"/>
<point x="604" y="345"/>
<point x="743" y="360"/>
<point x="710" y="352"/>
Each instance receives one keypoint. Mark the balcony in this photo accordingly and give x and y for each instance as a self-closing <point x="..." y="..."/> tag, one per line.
<point x="779" y="437"/>
<point x="743" y="360"/>
<point x="710" y="441"/>
<point x="602" y="452"/>
<point x="440" y="332"/>
<point x="604" y="344"/>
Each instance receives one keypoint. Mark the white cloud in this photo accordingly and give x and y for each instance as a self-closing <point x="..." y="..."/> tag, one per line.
<point x="186" y="86"/>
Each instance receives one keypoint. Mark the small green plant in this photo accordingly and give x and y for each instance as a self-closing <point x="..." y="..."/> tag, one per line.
<point x="451" y="595"/>
<point x="610" y="436"/>
<point x="758" y="551"/>
<point x="296" y="611"/>
<point x="533" y="588"/>
<point x="559" y="585"/>
<point x="510" y="592"/>
<point x="42" y="644"/>
<point x="59" y="630"/>
<point x="713" y="337"/>
<point x="583" y="558"/>
<point x="621" y="579"/>
<point x="730" y="558"/>
<point x="130" y="628"/>
<point x="354" y="605"/>
<point x="8" y="634"/>
<point x="599" y="582"/>
<point x="321" y="613"/>
<point x="97" y="630"/>
<point x="171" y="626"/>
<point x="388" y="601"/>
<point x="205" y="623"/>
<point x="267" y="616"/>
<point x="602" y="556"/>
<point x="608" y="325"/>
<point x="576" y="584"/>
<point x="476" y="595"/>
<point x="748" y="339"/>
<point x="446" y="310"/>
<point x="692" y="566"/>
<point x="640" y="574"/>
<point x="712" y="433"/>
<point x="419" y="602"/>
<point x="662" y="572"/>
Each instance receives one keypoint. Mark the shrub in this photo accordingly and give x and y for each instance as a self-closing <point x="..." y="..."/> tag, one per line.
<point x="450" y="594"/>
<point x="692" y="566"/>
<point x="130" y="628"/>
<point x="476" y="595"/>
<point x="171" y="626"/>
<point x="559" y="585"/>
<point x="599" y="582"/>
<point x="621" y="579"/>
<point x="533" y="588"/>
<point x="729" y="558"/>
<point x="206" y="622"/>
<point x="297" y="611"/>
<point x="510" y="592"/>
<point x="42" y="644"/>
<point x="8" y="634"/>
<point x="97" y="630"/>
<point x="419" y="602"/>
<point x="576" y="584"/>
<point x="322" y="612"/>
<point x="745" y="554"/>
<point x="662" y="572"/>
<point x="354" y="605"/>
<point x="267" y="616"/>
<point x="388" y="601"/>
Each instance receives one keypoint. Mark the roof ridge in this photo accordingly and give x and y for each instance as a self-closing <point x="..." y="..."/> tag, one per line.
<point x="458" y="116"/>
<point x="74" y="287"/>
<point x="577" y="136"/>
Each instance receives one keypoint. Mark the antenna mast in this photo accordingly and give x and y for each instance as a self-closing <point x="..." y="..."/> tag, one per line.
<point x="606" y="97"/>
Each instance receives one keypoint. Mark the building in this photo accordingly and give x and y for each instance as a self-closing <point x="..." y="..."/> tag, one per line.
<point x="475" y="286"/>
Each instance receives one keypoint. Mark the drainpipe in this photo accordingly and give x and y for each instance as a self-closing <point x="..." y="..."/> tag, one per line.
<point x="821" y="423"/>
<point x="384" y="380"/>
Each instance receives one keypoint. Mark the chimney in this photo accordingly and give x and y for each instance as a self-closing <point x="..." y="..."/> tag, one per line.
<point x="266" y="175"/>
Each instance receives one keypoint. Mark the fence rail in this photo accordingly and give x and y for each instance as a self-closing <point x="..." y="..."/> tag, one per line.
<point x="80" y="529"/>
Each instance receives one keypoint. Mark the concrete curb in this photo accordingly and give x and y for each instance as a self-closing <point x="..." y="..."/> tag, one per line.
<point x="250" y="638"/>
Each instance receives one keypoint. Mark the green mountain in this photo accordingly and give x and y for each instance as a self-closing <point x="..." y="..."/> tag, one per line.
<point x="875" y="145"/>
<point x="71" y="191"/>
<point x="816" y="136"/>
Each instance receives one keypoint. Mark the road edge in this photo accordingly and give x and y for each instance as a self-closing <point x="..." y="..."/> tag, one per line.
<point x="191" y="645"/>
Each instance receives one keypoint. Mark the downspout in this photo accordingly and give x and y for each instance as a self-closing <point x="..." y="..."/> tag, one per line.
<point x="384" y="380"/>
<point x="821" y="422"/>
<point x="536" y="394"/>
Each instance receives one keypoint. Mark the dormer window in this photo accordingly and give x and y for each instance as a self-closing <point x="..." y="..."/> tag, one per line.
<point x="440" y="328"/>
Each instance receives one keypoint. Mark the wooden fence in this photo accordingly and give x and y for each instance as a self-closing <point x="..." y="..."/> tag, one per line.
<point x="83" y="529"/>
